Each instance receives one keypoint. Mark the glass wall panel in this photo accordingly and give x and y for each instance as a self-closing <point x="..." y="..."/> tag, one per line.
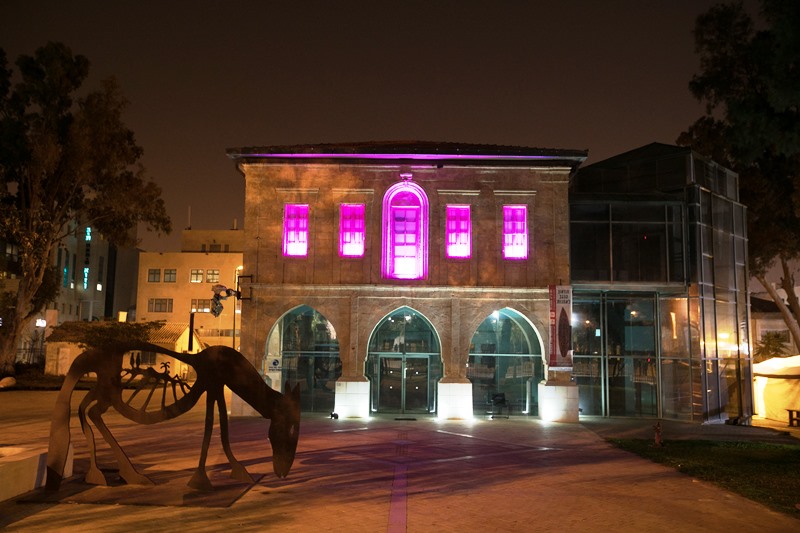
<point x="587" y="346"/>
<point x="631" y="364"/>
<point x="675" y="254"/>
<point x="705" y="208"/>
<point x="710" y="333"/>
<point x="588" y="373"/>
<point x="676" y="333"/>
<point x="587" y="330"/>
<point x="308" y="353"/>
<point x="723" y="261"/>
<point x="639" y="252"/>
<point x="730" y="389"/>
<point x="676" y="389"/>
<point x="707" y="272"/>
<point x="739" y="216"/>
<point x="631" y="212"/>
<point x="505" y="357"/>
<point x="727" y="330"/>
<point x="589" y="212"/>
<point x="694" y="325"/>
<point x="722" y="216"/>
<point x="590" y="251"/>
<point x="712" y="392"/>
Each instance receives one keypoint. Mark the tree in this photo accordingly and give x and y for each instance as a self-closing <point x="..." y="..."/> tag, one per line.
<point x="63" y="158"/>
<point x="771" y="344"/>
<point x="750" y="82"/>
<point x="104" y="335"/>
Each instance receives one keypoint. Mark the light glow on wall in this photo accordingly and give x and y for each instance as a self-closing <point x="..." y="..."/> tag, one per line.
<point x="295" y="230"/>
<point x="515" y="232"/>
<point x="458" y="233"/>
<point x="351" y="230"/>
<point x="405" y="232"/>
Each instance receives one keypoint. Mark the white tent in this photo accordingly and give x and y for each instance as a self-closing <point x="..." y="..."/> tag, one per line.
<point x="777" y="387"/>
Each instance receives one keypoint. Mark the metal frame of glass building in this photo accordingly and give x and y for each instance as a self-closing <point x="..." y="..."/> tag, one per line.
<point x="658" y="257"/>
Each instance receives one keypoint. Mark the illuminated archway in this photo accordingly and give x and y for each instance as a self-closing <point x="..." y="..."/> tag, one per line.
<point x="505" y="357"/>
<point x="303" y="348"/>
<point x="404" y="363"/>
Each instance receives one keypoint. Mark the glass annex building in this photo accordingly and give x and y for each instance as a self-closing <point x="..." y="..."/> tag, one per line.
<point x="659" y="273"/>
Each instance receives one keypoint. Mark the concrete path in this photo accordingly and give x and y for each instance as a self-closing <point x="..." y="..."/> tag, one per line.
<point x="387" y="475"/>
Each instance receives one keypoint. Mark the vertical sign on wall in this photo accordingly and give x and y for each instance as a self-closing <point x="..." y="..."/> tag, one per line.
<point x="560" y="327"/>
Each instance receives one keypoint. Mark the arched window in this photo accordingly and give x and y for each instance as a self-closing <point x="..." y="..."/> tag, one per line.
<point x="505" y="357"/>
<point x="405" y="232"/>
<point x="303" y="348"/>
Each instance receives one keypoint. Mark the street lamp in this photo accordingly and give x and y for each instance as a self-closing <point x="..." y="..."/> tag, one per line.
<point x="221" y="292"/>
<point x="41" y="323"/>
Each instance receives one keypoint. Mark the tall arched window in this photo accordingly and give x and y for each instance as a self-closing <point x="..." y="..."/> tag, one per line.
<point x="405" y="232"/>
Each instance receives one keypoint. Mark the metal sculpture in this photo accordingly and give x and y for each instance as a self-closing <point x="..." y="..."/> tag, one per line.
<point x="216" y="367"/>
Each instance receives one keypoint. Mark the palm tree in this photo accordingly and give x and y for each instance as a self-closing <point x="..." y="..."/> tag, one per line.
<point x="771" y="344"/>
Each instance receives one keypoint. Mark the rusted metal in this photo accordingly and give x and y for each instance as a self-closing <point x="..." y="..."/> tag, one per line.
<point x="216" y="367"/>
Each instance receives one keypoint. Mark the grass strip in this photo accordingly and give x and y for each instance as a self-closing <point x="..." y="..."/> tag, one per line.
<point x="762" y="472"/>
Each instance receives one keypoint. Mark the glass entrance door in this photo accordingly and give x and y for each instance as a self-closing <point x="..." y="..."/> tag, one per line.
<point x="404" y="364"/>
<point x="403" y="384"/>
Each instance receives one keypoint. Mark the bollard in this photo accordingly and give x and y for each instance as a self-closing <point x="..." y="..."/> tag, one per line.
<point x="657" y="429"/>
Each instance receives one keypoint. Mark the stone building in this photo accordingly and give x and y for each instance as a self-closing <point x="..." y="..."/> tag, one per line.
<point x="177" y="286"/>
<point x="403" y="277"/>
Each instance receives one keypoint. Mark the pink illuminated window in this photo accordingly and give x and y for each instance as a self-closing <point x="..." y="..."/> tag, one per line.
<point x="405" y="232"/>
<point x="515" y="232"/>
<point x="295" y="230"/>
<point x="458" y="232"/>
<point x="351" y="230"/>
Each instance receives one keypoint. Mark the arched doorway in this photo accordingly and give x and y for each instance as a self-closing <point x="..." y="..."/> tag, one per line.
<point x="404" y="364"/>
<point x="505" y="357"/>
<point x="303" y="348"/>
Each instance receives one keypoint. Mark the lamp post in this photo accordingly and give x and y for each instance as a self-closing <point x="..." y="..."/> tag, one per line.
<point x="235" y="306"/>
<point x="221" y="292"/>
<point x="41" y="323"/>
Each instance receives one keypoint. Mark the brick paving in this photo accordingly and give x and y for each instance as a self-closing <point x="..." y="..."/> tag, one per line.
<point x="387" y="475"/>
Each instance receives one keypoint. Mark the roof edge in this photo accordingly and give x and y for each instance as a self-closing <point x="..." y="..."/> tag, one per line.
<point x="408" y="150"/>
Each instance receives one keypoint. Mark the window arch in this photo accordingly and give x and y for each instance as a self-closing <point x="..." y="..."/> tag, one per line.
<point x="505" y="357"/>
<point x="303" y="348"/>
<point x="405" y="232"/>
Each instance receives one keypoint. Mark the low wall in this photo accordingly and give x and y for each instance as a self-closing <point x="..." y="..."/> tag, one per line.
<point x="23" y="469"/>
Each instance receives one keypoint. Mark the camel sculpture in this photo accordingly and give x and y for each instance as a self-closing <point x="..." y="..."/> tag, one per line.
<point x="216" y="367"/>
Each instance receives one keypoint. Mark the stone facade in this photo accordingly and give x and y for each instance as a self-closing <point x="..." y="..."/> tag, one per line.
<point x="455" y="296"/>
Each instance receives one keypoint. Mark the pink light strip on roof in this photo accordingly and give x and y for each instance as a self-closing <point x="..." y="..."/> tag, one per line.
<point x="422" y="157"/>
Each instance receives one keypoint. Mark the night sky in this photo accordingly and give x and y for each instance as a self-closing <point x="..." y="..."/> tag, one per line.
<point x="203" y="76"/>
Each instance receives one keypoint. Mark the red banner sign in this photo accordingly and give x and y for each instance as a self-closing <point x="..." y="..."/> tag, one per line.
<point x="560" y="327"/>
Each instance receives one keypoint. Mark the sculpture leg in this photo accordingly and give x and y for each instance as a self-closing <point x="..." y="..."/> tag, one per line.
<point x="126" y="469"/>
<point x="200" y="479"/>
<point x="238" y="471"/>
<point x="94" y="476"/>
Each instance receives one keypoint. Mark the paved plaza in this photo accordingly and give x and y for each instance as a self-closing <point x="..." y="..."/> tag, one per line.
<point x="386" y="475"/>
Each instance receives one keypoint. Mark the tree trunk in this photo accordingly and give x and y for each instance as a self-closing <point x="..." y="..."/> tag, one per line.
<point x="8" y="352"/>
<point x="787" y="284"/>
<point x="14" y="326"/>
